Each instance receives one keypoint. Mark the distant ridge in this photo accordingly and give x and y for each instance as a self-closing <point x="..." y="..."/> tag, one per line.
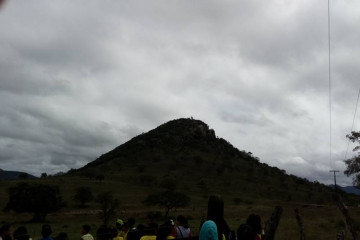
<point x="14" y="175"/>
<point x="348" y="189"/>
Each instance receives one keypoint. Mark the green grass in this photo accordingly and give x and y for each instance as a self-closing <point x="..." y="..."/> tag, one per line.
<point x="320" y="221"/>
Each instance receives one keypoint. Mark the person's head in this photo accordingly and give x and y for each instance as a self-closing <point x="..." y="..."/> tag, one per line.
<point x="245" y="232"/>
<point x="164" y="230"/>
<point x="5" y="230"/>
<point x="215" y="208"/>
<point x="46" y="230"/>
<point x="149" y="220"/>
<point x="130" y="223"/>
<point x="105" y="233"/>
<point x="85" y="229"/>
<point x="152" y="229"/>
<point x="255" y="222"/>
<point x="216" y="213"/>
<point x="140" y="227"/>
<point x="119" y="224"/>
<point x="208" y="231"/>
<point x="21" y="233"/>
<point x="181" y="221"/>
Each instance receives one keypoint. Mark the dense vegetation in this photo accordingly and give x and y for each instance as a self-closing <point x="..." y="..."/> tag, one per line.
<point x="187" y="152"/>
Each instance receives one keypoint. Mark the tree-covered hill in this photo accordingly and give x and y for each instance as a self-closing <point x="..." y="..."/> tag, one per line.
<point x="189" y="155"/>
<point x="14" y="175"/>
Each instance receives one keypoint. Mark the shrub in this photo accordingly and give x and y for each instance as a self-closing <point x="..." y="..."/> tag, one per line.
<point x="39" y="199"/>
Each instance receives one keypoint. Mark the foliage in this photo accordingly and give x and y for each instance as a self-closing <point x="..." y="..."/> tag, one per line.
<point x="39" y="199"/>
<point x="108" y="205"/>
<point x="167" y="200"/>
<point x="353" y="164"/>
<point x="23" y="176"/>
<point x="83" y="195"/>
<point x="100" y="177"/>
<point x="169" y="184"/>
<point x="146" y="180"/>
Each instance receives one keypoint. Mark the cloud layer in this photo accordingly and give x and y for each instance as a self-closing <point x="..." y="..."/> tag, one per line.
<point x="80" y="78"/>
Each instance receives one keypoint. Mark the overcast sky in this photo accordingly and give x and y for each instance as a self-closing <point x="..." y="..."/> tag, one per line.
<point x="78" y="78"/>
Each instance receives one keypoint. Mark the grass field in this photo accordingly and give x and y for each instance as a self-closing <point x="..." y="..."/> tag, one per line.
<point x="321" y="221"/>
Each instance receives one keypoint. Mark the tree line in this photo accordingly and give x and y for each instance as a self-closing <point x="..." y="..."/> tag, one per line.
<point x="42" y="199"/>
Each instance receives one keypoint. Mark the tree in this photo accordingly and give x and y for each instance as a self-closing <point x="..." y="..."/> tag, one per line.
<point x="100" y="177"/>
<point x="169" y="184"/>
<point x="167" y="200"/>
<point x="39" y="199"/>
<point x="83" y="195"/>
<point x="108" y="205"/>
<point x="353" y="164"/>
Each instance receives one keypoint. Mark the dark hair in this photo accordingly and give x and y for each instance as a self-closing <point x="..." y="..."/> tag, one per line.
<point x="164" y="231"/>
<point x="216" y="213"/>
<point x="86" y="228"/>
<point x="245" y="232"/>
<point x="182" y="221"/>
<point x="140" y="227"/>
<point x="46" y="230"/>
<point x="21" y="233"/>
<point x="151" y="230"/>
<point x="131" y="222"/>
<point x="5" y="228"/>
<point x="255" y="222"/>
<point x="215" y="208"/>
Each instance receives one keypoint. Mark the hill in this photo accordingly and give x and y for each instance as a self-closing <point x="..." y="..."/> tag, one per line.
<point x="187" y="153"/>
<point x="348" y="189"/>
<point x="14" y="175"/>
<point x="351" y="189"/>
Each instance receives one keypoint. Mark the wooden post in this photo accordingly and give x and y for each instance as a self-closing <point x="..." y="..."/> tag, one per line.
<point x="340" y="236"/>
<point x="272" y="224"/>
<point x="345" y="213"/>
<point x="300" y="224"/>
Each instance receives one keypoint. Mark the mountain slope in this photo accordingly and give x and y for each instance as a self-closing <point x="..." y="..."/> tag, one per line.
<point x="187" y="153"/>
<point x="13" y="175"/>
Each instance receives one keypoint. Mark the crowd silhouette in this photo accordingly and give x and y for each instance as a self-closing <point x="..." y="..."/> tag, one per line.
<point x="214" y="227"/>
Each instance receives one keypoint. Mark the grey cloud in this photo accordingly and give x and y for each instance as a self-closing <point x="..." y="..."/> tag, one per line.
<point x="79" y="78"/>
<point x="246" y="118"/>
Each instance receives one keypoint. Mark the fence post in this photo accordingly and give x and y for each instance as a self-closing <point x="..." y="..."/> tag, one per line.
<point x="272" y="224"/>
<point x="300" y="224"/>
<point x="345" y="213"/>
<point x="340" y="236"/>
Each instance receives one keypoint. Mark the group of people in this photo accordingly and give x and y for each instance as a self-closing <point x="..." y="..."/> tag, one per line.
<point x="121" y="231"/>
<point x="151" y="231"/>
<point x="216" y="228"/>
<point x="213" y="228"/>
<point x="21" y="233"/>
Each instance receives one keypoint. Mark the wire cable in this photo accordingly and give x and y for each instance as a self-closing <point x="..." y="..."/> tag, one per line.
<point x="352" y="126"/>
<point x="329" y="79"/>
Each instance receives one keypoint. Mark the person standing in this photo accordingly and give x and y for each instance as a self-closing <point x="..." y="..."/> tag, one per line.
<point x="5" y="232"/>
<point x="216" y="214"/>
<point x="85" y="231"/>
<point x="46" y="232"/>
<point x="208" y="231"/>
<point x="182" y="229"/>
